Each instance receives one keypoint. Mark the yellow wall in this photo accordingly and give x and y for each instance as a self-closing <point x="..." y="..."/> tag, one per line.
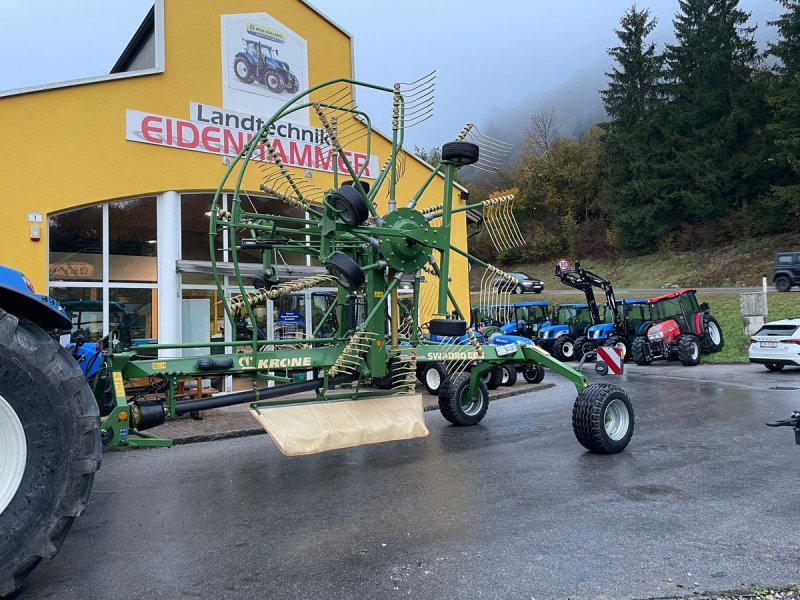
<point x="66" y="147"/>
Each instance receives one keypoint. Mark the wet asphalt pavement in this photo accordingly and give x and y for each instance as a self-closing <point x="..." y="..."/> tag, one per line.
<point x="706" y="498"/>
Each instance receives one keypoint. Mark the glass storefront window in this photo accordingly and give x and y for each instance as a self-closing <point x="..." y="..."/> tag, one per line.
<point x="132" y="246"/>
<point x="85" y="308"/>
<point x="76" y="245"/>
<point x="133" y="315"/>
<point x="255" y="204"/>
<point x="194" y="228"/>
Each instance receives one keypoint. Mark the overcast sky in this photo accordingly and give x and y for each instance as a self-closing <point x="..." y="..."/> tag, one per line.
<point x="497" y="63"/>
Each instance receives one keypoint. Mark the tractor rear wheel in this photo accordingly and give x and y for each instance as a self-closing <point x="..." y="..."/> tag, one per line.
<point x="639" y="351"/>
<point x="49" y="447"/>
<point x="711" y="339"/>
<point x="509" y="377"/>
<point x="602" y="418"/>
<point x="533" y="373"/>
<point x="458" y="407"/>
<point x="620" y="343"/>
<point x="689" y="350"/>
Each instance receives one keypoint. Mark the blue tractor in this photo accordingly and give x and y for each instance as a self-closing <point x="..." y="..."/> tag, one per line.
<point x="259" y="62"/>
<point x="569" y="322"/>
<point x="634" y="318"/>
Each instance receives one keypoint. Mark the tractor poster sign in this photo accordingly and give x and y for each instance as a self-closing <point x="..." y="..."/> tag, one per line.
<point x="264" y="63"/>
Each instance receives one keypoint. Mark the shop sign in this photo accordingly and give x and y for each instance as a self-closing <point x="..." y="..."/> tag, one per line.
<point x="71" y="270"/>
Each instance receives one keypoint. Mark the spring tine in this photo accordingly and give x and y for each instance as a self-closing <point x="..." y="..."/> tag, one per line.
<point x="412" y="85"/>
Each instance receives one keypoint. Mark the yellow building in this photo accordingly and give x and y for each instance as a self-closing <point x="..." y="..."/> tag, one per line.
<point x="108" y="179"/>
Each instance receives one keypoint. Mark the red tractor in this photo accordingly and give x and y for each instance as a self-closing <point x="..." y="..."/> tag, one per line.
<point x="681" y="329"/>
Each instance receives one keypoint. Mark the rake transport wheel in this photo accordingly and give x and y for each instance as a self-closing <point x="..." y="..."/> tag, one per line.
<point x="639" y="351"/>
<point x="346" y="270"/>
<point x="689" y="350"/>
<point x="458" y="407"/>
<point x="533" y="373"/>
<point x="434" y="375"/>
<point x="350" y="205"/>
<point x="602" y="418"/>
<point x="49" y="447"/>
<point x="509" y="375"/>
<point x="460" y="153"/>
<point x="711" y="340"/>
<point x="493" y="377"/>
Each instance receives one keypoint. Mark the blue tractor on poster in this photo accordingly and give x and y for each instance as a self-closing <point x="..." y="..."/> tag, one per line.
<point x="259" y="62"/>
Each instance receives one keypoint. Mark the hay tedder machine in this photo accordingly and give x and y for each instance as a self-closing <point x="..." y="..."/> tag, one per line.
<point x="50" y="433"/>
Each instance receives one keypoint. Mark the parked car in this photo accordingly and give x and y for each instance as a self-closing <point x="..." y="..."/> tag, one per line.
<point x="526" y="284"/>
<point x="777" y="344"/>
<point x="786" y="270"/>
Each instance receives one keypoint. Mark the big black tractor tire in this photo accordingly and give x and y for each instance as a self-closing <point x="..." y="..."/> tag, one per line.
<point x="622" y="344"/>
<point x="603" y="419"/>
<point x="49" y="447"/>
<point x="350" y="206"/>
<point x="689" y="350"/>
<point x="583" y="346"/>
<point x="493" y="377"/>
<point x="457" y="407"/>
<point x="434" y="375"/>
<point x="460" y="153"/>
<point x="346" y="271"/>
<point x="292" y="84"/>
<point x="564" y="348"/>
<point x="533" y="373"/>
<point x="711" y="340"/>
<point x="244" y="71"/>
<point x="509" y="377"/>
<point x="640" y="352"/>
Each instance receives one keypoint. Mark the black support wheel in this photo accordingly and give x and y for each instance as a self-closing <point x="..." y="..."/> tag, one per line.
<point x="564" y="348"/>
<point x="711" y="340"/>
<point x="434" y="375"/>
<point x="447" y="327"/>
<point x="603" y="419"/>
<point x="350" y="206"/>
<point x="533" y="373"/>
<point x="346" y="271"/>
<point x="458" y="407"/>
<point x="640" y="352"/>
<point x="460" y="153"/>
<point x="49" y="447"/>
<point x="689" y="350"/>
<point x="509" y="377"/>
<point x="774" y="367"/>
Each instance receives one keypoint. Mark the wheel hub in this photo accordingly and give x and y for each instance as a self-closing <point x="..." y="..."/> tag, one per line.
<point x="617" y="419"/>
<point x="13" y="453"/>
<point x="713" y="331"/>
<point x="405" y="254"/>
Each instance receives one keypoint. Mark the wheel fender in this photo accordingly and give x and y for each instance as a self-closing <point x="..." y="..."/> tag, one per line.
<point x="247" y="56"/>
<point x="17" y="297"/>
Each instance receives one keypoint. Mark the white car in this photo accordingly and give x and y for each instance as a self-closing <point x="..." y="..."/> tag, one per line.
<point x="777" y="344"/>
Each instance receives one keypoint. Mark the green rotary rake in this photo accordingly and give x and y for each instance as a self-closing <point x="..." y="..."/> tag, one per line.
<point x="360" y="379"/>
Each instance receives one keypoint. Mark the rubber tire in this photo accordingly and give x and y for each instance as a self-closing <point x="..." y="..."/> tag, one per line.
<point x="511" y="378"/>
<point x="582" y="346"/>
<point x="639" y="351"/>
<point x="385" y="382"/>
<point x="447" y="327"/>
<point x="460" y="153"/>
<point x="353" y="209"/>
<point x="277" y="86"/>
<point x="774" y="367"/>
<point x="686" y="350"/>
<point x="250" y="75"/>
<point x="519" y="290"/>
<point x="443" y="375"/>
<point x="293" y="84"/>
<point x="533" y="373"/>
<point x="588" y="418"/>
<point x="601" y="368"/>
<point x="558" y="348"/>
<point x="782" y="284"/>
<point x="364" y="184"/>
<point x="618" y="339"/>
<point x="707" y="346"/>
<point x="48" y="391"/>
<point x="493" y="377"/>
<point x="450" y="403"/>
<point x="346" y="270"/>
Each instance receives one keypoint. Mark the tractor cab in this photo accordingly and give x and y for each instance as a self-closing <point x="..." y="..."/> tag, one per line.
<point x="569" y="322"/>
<point x="527" y="318"/>
<point x="487" y="316"/>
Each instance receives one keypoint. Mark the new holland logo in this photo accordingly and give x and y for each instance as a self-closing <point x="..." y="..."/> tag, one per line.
<point x="265" y="32"/>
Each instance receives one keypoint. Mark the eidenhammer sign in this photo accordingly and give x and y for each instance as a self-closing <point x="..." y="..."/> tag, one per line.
<point x="220" y="131"/>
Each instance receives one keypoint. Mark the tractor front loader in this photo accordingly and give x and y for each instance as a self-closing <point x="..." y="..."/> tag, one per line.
<point x="53" y="432"/>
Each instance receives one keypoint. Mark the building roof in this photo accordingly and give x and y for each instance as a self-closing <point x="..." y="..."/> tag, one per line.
<point x="670" y="295"/>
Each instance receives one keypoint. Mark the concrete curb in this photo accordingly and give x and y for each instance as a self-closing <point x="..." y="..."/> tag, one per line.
<point x="525" y="388"/>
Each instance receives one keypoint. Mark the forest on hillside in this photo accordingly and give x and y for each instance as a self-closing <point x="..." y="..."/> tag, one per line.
<point x="701" y="145"/>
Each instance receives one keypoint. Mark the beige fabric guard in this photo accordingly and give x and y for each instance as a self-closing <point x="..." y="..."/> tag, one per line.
<point x="310" y="428"/>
